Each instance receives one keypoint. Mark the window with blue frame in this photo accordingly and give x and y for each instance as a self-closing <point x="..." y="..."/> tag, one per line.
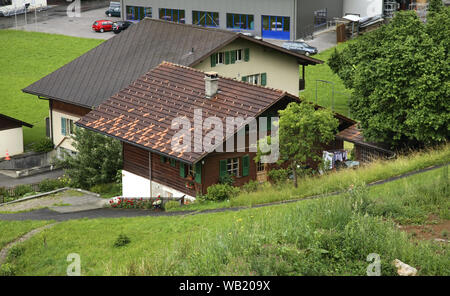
<point x="172" y="15"/>
<point x="136" y="13"/>
<point x="276" y="27"/>
<point x="240" y="21"/>
<point x="205" y="18"/>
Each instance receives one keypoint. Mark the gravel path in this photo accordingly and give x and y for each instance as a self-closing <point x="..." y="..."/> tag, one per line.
<point x="4" y="252"/>
<point x="46" y="214"/>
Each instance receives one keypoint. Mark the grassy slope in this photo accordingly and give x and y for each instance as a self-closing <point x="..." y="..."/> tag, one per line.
<point x="330" y="236"/>
<point x="27" y="57"/>
<point x="11" y="230"/>
<point x="332" y="182"/>
<point x="324" y="93"/>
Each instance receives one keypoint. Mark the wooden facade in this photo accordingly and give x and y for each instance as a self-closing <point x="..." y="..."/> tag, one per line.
<point x="69" y="108"/>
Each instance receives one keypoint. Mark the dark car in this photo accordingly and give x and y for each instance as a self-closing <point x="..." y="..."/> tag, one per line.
<point x="120" y="26"/>
<point x="113" y="11"/>
<point x="300" y="47"/>
<point x="102" y="26"/>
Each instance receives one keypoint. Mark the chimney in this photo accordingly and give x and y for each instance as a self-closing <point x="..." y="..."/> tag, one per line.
<point x="211" y="84"/>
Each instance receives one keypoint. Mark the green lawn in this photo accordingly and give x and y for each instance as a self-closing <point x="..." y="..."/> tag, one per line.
<point x="329" y="236"/>
<point x="325" y="90"/>
<point x="11" y="230"/>
<point x="27" y="57"/>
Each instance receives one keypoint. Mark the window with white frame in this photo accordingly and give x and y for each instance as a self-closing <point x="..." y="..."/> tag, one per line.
<point x="220" y="58"/>
<point x="233" y="166"/>
<point x="254" y="79"/>
<point x="239" y="56"/>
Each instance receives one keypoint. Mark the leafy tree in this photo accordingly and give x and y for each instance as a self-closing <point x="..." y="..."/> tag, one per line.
<point x="435" y="6"/>
<point x="98" y="160"/>
<point x="400" y="81"/>
<point x="303" y="131"/>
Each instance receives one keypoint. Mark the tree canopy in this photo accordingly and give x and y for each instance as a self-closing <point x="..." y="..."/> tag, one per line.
<point x="399" y="76"/>
<point x="98" y="160"/>
<point x="303" y="132"/>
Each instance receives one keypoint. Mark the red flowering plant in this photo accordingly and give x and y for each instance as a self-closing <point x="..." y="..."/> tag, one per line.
<point x="136" y="203"/>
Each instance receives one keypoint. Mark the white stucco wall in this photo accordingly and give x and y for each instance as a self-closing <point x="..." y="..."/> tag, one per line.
<point x="137" y="186"/>
<point x="11" y="140"/>
<point x="282" y="70"/>
<point x="363" y="7"/>
<point x="56" y="126"/>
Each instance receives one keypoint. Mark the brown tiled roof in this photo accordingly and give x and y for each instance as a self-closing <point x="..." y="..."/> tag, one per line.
<point x="353" y="134"/>
<point x="141" y="114"/>
<point x="101" y="72"/>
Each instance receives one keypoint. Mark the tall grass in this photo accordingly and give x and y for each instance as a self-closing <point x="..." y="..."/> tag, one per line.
<point x="11" y="230"/>
<point x="335" y="181"/>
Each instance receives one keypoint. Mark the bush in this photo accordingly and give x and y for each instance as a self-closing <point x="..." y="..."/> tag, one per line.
<point x="15" y="252"/>
<point x="172" y="205"/>
<point x="50" y="184"/>
<point x="251" y="186"/>
<point x="278" y="176"/>
<point x="220" y="192"/>
<point x="112" y="189"/>
<point x="226" y="179"/>
<point x="44" y="145"/>
<point x="121" y="241"/>
<point x="22" y="190"/>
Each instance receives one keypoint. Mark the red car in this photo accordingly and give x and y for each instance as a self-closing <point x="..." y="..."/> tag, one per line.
<point x="102" y="26"/>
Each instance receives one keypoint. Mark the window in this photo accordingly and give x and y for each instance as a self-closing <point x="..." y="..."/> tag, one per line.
<point x="230" y="57"/>
<point x="240" y="21"/>
<point x="261" y="167"/>
<point x="276" y="23"/>
<point x="205" y="18"/>
<point x="233" y="166"/>
<point x="66" y="126"/>
<point x="220" y="58"/>
<point x="138" y="12"/>
<point x="172" y="15"/>
<point x="257" y="79"/>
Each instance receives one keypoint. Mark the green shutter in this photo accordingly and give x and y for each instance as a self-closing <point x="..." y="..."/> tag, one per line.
<point x="63" y="126"/>
<point x="244" y="78"/>
<point x="213" y="60"/>
<point x="223" y="168"/>
<point x="173" y="162"/>
<point x="227" y="57"/>
<point x="198" y="173"/>
<point x="264" y="79"/>
<point x="182" y="170"/>
<point x="247" y="54"/>
<point x="245" y="165"/>
<point x="162" y="159"/>
<point x="233" y="56"/>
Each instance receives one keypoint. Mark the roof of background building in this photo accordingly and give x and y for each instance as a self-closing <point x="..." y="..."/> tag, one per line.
<point x="353" y="134"/>
<point x="14" y="121"/>
<point x="103" y="71"/>
<point x="142" y="113"/>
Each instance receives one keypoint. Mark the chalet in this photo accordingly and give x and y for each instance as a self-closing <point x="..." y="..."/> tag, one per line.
<point x="141" y="117"/>
<point x="11" y="135"/>
<point x="83" y="84"/>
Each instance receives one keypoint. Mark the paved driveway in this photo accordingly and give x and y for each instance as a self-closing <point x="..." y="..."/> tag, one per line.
<point x="71" y="26"/>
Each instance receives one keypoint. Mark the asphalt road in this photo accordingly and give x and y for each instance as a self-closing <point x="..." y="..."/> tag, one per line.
<point x="56" y="20"/>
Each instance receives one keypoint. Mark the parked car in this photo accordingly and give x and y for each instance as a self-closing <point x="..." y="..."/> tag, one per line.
<point x="120" y="26"/>
<point x="300" y="47"/>
<point x="102" y="26"/>
<point x="113" y="11"/>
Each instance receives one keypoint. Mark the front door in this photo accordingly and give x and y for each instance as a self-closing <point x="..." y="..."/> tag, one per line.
<point x="261" y="174"/>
